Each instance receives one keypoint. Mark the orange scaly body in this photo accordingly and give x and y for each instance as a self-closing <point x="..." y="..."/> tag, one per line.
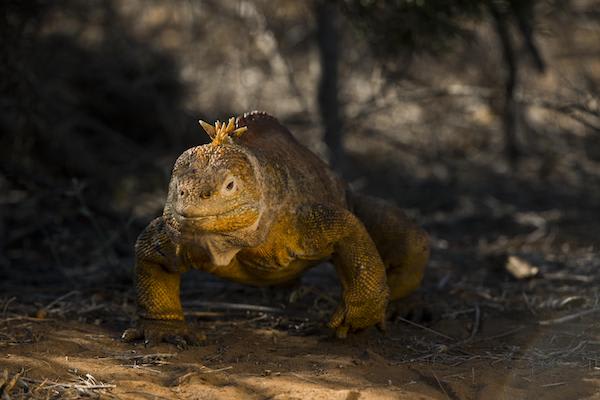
<point x="257" y="207"/>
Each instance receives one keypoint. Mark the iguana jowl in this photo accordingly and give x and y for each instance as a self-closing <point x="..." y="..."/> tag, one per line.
<point x="256" y="207"/>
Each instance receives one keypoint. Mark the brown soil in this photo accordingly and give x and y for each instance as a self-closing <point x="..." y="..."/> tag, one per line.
<point x="261" y="346"/>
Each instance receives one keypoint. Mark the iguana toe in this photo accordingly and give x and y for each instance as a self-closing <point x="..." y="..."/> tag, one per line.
<point x="132" y="334"/>
<point x="154" y="332"/>
<point x="354" y="317"/>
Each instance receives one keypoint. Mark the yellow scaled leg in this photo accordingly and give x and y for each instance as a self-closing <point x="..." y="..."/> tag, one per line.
<point x="157" y="278"/>
<point x="402" y="244"/>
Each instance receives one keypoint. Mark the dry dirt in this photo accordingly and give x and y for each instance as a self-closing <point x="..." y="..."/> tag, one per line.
<point x="262" y="346"/>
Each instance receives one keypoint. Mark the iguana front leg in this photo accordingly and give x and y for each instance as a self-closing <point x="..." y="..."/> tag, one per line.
<point x="157" y="279"/>
<point x="361" y="271"/>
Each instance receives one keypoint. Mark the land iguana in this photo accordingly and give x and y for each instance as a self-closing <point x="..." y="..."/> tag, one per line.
<point x="255" y="206"/>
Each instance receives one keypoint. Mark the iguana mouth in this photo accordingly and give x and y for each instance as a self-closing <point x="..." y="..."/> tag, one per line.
<point x="182" y="226"/>
<point x="193" y="214"/>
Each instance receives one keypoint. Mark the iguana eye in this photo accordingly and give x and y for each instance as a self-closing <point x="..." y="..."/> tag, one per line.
<point x="229" y="186"/>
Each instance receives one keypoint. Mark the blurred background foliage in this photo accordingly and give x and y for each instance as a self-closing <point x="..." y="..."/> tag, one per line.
<point x="394" y="27"/>
<point x="480" y="117"/>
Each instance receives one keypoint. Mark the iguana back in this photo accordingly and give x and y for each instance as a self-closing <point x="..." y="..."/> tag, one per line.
<point x="291" y="169"/>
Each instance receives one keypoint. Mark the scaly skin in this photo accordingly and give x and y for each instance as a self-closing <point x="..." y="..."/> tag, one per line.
<point x="256" y="207"/>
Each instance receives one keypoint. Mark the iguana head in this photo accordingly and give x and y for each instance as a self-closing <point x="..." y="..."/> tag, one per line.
<point x="214" y="188"/>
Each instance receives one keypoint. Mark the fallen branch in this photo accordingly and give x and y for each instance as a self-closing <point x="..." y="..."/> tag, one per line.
<point x="142" y="357"/>
<point x="440" y="334"/>
<point x="77" y="386"/>
<point x="569" y="317"/>
<point x="233" y="306"/>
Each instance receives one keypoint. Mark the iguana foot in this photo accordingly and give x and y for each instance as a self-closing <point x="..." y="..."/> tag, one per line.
<point x="154" y="332"/>
<point x="413" y="308"/>
<point x="350" y="317"/>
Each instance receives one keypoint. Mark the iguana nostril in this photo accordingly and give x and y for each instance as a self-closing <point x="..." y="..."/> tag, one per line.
<point x="182" y="193"/>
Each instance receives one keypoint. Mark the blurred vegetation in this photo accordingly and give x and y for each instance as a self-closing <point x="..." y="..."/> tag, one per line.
<point x="400" y="27"/>
<point x="85" y="106"/>
<point x="77" y="83"/>
<point x="439" y="106"/>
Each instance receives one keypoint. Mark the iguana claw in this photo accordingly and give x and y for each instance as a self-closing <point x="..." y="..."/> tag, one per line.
<point x="154" y="332"/>
<point x="350" y="318"/>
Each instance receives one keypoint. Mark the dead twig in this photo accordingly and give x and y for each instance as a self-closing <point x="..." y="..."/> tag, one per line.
<point x="569" y="317"/>
<point x="528" y="304"/>
<point x="145" y="358"/>
<point x="7" y="385"/>
<point x="24" y="318"/>
<point x="61" y="298"/>
<point x="233" y="306"/>
<point x="474" y="330"/>
<point x="304" y="378"/>
<point x="440" y="384"/>
<point x="476" y="323"/>
<point x="65" y="385"/>
<point x="248" y="321"/>
<point x="440" y="334"/>
<point x="206" y="370"/>
<point x="562" y="276"/>
<point x="553" y="384"/>
<point x="204" y="314"/>
<point x="503" y="334"/>
<point x="6" y="304"/>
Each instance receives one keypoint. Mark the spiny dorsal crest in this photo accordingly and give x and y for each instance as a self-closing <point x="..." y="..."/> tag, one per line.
<point x="221" y="132"/>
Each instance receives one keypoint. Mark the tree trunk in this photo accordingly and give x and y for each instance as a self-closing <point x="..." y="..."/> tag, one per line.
<point x="329" y="108"/>
<point x="510" y="110"/>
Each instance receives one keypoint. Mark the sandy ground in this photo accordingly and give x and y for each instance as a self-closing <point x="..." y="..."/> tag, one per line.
<point x="262" y="346"/>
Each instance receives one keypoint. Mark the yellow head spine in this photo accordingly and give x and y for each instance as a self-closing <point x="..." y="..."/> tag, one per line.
<point x="221" y="133"/>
